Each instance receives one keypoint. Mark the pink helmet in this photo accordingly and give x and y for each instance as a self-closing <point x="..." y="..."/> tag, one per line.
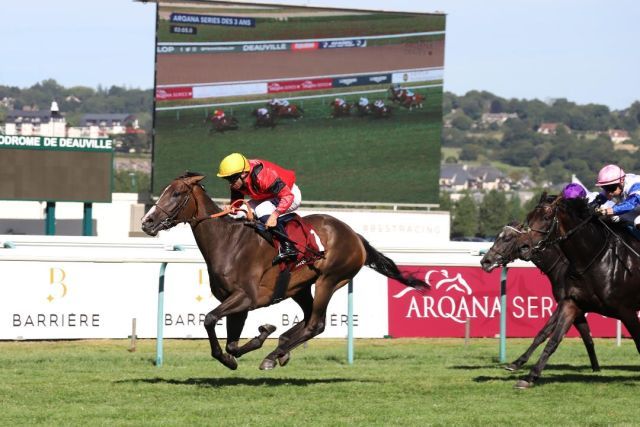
<point x="610" y="174"/>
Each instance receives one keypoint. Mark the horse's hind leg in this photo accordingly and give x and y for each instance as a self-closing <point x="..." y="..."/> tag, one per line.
<point x="305" y="300"/>
<point x="235" y="323"/>
<point x="312" y="327"/>
<point x="568" y="311"/>
<point x="542" y="335"/>
<point x="585" y="333"/>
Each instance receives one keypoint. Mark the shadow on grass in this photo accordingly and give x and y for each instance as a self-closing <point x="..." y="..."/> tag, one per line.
<point x="230" y="382"/>
<point x="567" y="378"/>
<point x="556" y="367"/>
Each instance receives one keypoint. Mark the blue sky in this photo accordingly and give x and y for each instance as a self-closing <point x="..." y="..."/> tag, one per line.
<point x="583" y="50"/>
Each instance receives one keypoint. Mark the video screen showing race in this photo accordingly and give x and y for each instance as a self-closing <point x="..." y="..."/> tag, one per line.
<point x="350" y="100"/>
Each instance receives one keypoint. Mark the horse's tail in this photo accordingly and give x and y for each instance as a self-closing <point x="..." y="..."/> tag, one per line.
<point x="385" y="266"/>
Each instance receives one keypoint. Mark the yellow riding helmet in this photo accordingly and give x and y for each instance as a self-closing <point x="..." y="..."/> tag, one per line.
<point x="233" y="164"/>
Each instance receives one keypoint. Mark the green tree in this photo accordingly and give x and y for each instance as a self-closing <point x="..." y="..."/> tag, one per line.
<point x="515" y="209"/>
<point x="493" y="213"/>
<point x="464" y="218"/>
<point x="461" y="121"/>
<point x="445" y="201"/>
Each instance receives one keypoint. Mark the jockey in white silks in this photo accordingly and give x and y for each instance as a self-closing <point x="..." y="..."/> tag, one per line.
<point x="363" y="102"/>
<point x="262" y="111"/>
<point x="379" y="103"/>
<point x="624" y="191"/>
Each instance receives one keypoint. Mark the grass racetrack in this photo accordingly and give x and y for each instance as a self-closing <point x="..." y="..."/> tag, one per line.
<point x="358" y="159"/>
<point x="407" y="382"/>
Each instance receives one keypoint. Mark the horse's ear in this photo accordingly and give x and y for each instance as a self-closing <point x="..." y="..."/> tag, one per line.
<point x="543" y="197"/>
<point x="192" y="178"/>
<point x="195" y="179"/>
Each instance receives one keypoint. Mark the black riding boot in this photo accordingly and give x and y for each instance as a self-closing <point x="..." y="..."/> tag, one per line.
<point x="288" y="250"/>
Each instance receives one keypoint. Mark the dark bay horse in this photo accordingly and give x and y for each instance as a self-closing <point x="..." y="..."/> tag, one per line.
<point x="291" y="111"/>
<point x="267" y="120"/>
<point x="340" y="110"/>
<point x="222" y="124"/>
<point x="243" y="278"/>
<point x="555" y="266"/>
<point x="604" y="273"/>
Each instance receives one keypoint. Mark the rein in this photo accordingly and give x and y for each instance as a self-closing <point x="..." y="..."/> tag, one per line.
<point x="231" y="209"/>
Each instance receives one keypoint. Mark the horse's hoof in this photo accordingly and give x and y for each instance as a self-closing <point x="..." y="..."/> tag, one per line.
<point x="523" y="385"/>
<point x="511" y="367"/>
<point x="230" y="362"/>
<point x="283" y="360"/>
<point x="266" y="328"/>
<point x="267" y="365"/>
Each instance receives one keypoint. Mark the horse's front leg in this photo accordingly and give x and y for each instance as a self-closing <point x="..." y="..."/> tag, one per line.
<point x="567" y="313"/>
<point x="235" y="324"/>
<point x="542" y="335"/>
<point x="237" y="302"/>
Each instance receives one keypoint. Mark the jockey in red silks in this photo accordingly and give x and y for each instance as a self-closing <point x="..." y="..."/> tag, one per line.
<point x="218" y="114"/>
<point x="271" y="189"/>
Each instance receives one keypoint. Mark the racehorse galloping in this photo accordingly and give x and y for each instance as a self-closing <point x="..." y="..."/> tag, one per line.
<point x="415" y="100"/>
<point x="340" y="110"/>
<point x="222" y="124"/>
<point x="605" y="267"/>
<point x="383" y="112"/>
<point x="243" y="278"/>
<point x="291" y="111"/>
<point x="265" y="120"/>
<point x="552" y="263"/>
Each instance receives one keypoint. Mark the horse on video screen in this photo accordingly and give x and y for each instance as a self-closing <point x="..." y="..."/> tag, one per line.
<point x="222" y="124"/>
<point x="264" y="119"/>
<point x="243" y="278"/>
<point x="291" y="111"/>
<point x="383" y="112"/>
<point x="555" y="266"/>
<point x="412" y="101"/>
<point x="340" y="110"/>
<point x="604" y="265"/>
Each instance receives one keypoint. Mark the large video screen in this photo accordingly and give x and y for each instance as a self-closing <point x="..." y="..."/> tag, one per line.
<point x="350" y="100"/>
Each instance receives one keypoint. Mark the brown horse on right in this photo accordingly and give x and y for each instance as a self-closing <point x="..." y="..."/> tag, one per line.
<point x="242" y="276"/>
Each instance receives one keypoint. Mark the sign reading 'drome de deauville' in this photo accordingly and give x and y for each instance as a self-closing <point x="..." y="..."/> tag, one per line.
<point x="56" y="168"/>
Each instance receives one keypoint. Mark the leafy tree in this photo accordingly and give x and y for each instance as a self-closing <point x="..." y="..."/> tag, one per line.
<point x="464" y="218"/>
<point x="470" y="152"/>
<point x="445" y="201"/>
<point x="493" y="213"/>
<point x="515" y="209"/>
<point x="461" y="121"/>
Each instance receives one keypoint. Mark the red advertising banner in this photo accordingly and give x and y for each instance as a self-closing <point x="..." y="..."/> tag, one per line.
<point x="298" y="85"/>
<point x="171" y="93"/>
<point x="461" y="293"/>
<point x="304" y="46"/>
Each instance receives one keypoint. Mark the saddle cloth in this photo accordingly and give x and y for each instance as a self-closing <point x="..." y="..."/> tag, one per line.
<point x="305" y="239"/>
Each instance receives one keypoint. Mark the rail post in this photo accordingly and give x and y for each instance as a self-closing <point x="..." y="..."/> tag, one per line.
<point x="160" y="320"/>
<point x="350" y="323"/>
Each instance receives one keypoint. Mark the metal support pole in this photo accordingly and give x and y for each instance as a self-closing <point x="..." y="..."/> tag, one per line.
<point x="50" y="219"/>
<point x="160" y="317"/>
<point x="160" y="322"/>
<point x="87" y="220"/>
<point x="350" y="324"/>
<point x="618" y="333"/>
<point x="503" y="315"/>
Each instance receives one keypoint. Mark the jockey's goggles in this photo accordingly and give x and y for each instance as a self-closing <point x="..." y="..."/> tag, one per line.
<point x="610" y="188"/>
<point x="233" y="178"/>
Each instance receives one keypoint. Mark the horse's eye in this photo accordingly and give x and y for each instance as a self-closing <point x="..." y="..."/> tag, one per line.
<point x="175" y="194"/>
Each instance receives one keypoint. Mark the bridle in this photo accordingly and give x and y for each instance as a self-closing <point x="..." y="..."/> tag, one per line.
<point x="171" y="219"/>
